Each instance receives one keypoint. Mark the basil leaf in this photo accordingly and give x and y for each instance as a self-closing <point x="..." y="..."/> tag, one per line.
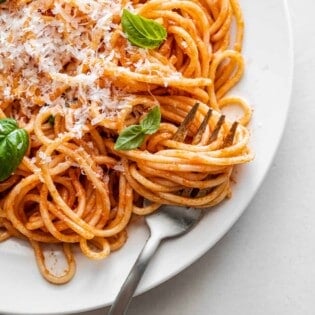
<point x="7" y="125"/>
<point x="142" y="32"/>
<point x="13" y="145"/>
<point x="2" y="1"/>
<point x="133" y="136"/>
<point x="130" y="138"/>
<point x="151" y="122"/>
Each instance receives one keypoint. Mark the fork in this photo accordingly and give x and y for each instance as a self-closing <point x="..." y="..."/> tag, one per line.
<point x="169" y="221"/>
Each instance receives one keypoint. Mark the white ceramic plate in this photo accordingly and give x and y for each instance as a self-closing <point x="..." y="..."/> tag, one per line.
<point x="267" y="85"/>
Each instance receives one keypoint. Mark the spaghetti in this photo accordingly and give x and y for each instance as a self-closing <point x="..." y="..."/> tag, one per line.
<point x="73" y="81"/>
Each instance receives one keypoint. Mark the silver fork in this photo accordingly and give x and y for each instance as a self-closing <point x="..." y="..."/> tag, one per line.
<point x="169" y="221"/>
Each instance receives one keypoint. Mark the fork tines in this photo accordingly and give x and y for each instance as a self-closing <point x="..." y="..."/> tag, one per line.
<point x="228" y="140"/>
<point x="182" y="130"/>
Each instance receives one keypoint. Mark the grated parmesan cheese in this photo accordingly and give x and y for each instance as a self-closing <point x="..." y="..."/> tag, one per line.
<point x="36" y="49"/>
<point x="119" y="167"/>
<point x="52" y="50"/>
<point x="45" y="159"/>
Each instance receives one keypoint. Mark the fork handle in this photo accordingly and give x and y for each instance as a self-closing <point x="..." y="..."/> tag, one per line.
<point x="127" y="290"/>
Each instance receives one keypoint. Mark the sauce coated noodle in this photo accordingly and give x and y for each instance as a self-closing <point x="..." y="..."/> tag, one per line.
<point x="70" y="77"/>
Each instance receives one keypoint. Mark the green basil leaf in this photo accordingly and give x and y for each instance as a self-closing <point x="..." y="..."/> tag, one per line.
<point x="151" y="123"/>
<point x="142" y="32"/>
<point x="13" y="145"/>
<point x="2" y="1"/>
<point x="133" y="136"/>
<point x="7" y="125"/>
<point x="130" y="138"/>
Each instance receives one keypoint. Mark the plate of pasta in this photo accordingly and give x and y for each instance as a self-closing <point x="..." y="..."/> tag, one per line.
<point x="92" y="99"/>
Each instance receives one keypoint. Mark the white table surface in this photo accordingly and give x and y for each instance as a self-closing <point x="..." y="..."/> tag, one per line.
<point x="265" y="265"/>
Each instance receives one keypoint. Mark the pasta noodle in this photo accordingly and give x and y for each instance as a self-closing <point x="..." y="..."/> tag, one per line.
<point x="74" y="82"/>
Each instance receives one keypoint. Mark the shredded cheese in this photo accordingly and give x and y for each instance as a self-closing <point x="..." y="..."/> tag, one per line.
<point x="54" y="58"/>
<point x="56" y="53"/>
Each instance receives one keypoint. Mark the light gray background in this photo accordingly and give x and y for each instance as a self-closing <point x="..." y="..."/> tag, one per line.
<point x="265" y="265"/>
